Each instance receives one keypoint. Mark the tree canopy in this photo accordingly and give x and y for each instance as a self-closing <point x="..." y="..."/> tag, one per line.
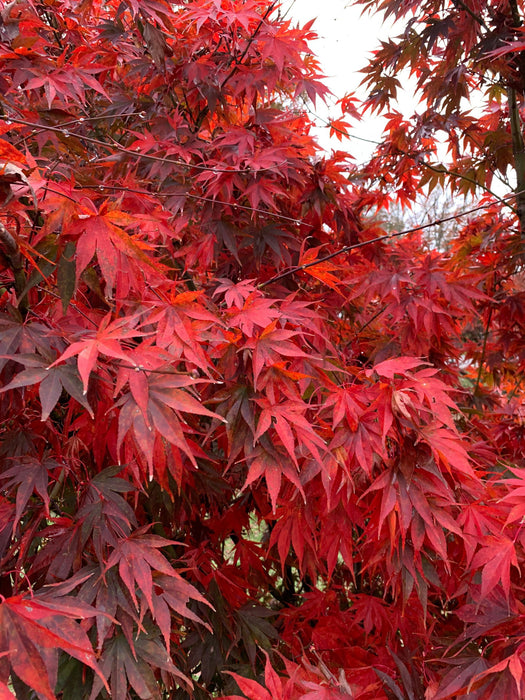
<point x="254" y="443"/>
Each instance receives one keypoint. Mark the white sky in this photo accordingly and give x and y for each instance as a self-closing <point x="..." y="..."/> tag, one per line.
<point x="346" y="41"/>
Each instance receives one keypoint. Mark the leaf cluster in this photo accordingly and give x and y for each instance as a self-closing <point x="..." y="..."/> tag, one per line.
<point x="250" y="441"/>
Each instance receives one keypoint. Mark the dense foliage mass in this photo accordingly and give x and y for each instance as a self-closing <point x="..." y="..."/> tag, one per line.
<point x="251" y="443"/>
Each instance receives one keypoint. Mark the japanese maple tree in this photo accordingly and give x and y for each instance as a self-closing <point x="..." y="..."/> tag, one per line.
<point x="253" y="445"/>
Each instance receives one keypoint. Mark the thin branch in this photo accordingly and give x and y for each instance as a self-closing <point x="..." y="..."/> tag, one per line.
<point x="436" y="169"/>
<point x="452" y="173"/>
<point x="120" y="188"/>
<point x="80" y="120"/>
<point x="327" y="122"/>
<point x="355" y="246"/>
<point x="370" y="321"/>
<point x="115" y="146"/>
<point x="298" y="268"/>
<point x="248" y="44"/>
<point x="461" y="5"/>
<point x="287" y="12"/>
<point x="72" y="302"/>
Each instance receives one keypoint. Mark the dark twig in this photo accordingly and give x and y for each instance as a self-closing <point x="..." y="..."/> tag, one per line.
<point x="248" y="44"/>
<point x="355" y="246"/>
<point x="115" y="146"/>
<point x="460" y="176"/>
<point x="461" y="5"/>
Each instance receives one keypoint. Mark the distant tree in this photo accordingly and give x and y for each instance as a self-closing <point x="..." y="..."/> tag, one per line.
<point x="437" y="208"/>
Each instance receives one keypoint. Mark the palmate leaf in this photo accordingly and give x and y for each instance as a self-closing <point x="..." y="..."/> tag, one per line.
<point x="496" y="559"/>
<point x="235" y="294"/>
<point x="143" y="568"/>
<point x="294" y="430"/>
<point x="256" y="629"/>
<point x="275" y="689"/>
<point x="51" y="380"/>
<point x="32" y="629"/>
<point x="256" y="312"/>
<point x="507" y="677"/>
<point x="182" y="327"/>
<point x="515" y="496"/>
<point x="363" y="442"/>
<point x="106" y="340"/>
<point x="105" y="516"/>
<point x="303" y="683"/>
<point x="449" y="449"/>
<point x="27" y="476"/>
<point x="104" y="233"/>
<point x="130" y="658"/>
<point x="156" y="403"/>
<point x="123" y="667"/>
<point x="273" y="464"/>
<point x="137" y="556"/>
<point x="271" y="346"/>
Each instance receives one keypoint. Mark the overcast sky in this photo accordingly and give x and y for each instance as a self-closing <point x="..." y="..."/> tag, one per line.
<point x="346" y="41"/>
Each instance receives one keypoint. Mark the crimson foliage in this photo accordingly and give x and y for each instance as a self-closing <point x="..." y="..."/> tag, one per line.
<point x="251" y="443"/>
